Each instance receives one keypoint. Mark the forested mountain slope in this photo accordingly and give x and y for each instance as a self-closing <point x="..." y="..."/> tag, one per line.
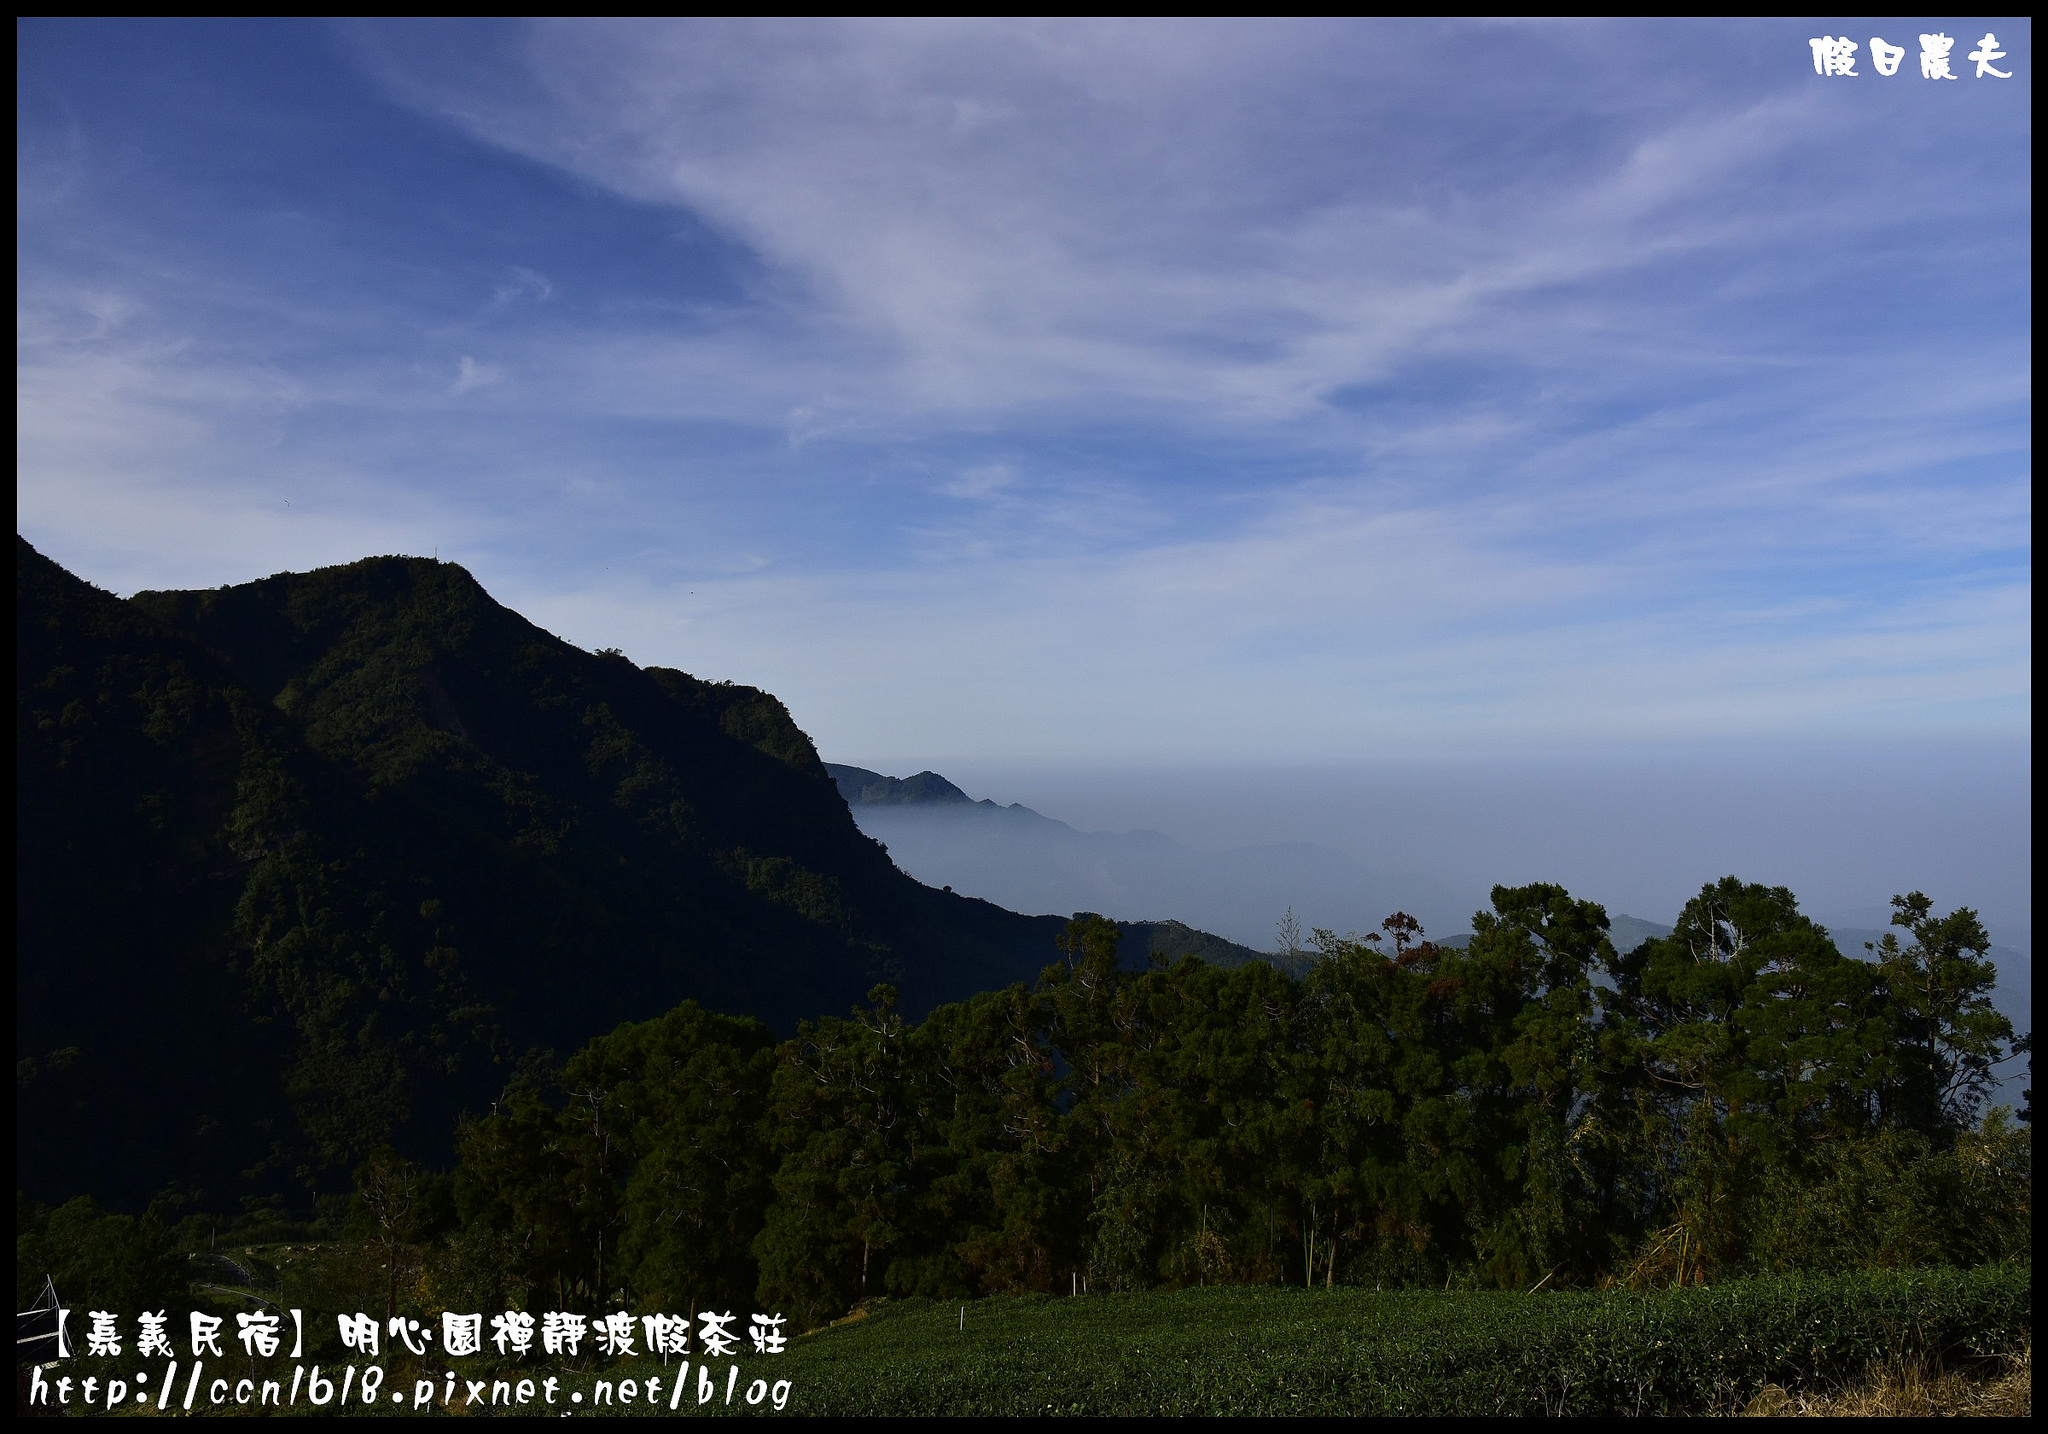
<point x="317" y="860"/>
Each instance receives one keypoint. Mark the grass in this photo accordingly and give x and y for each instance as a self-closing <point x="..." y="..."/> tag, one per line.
<point x="1274" y="1351"/>
<point x="1927" y="1341"/>
<point x="1921" y="1388"/>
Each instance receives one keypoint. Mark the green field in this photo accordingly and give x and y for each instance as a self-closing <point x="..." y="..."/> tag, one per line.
<point x="1220" y="1350"/>
<point x="1348" y="1351"/>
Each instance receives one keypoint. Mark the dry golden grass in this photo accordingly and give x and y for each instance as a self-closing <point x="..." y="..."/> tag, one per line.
<point x="1916" y="1389"/>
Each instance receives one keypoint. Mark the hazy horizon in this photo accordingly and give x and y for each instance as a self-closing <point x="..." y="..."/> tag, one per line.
<point x="1641" y="831"/>
<point x="1617" y="430"/>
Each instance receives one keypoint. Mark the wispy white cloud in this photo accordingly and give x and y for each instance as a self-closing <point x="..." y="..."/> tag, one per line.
<point x="1304" y="384"/>
<point x="471" y="375"/>
<point x="1322" y="633"/>
<point x="1003" y="216"/>
<point x="522" y="283"/>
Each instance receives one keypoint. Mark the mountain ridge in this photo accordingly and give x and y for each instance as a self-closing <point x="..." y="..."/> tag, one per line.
<point x="324" y="859"/>
<point x="1025" y="860"/>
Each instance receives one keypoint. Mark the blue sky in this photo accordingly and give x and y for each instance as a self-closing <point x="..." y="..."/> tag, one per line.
<point x="1068" y="392"/>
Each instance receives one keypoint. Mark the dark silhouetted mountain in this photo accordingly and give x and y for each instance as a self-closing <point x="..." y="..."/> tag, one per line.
<point x="1165" y="942"/>
<point x="317" y="861"/>
<point x="1143" y="941"/>
<point x="863" y="788"/>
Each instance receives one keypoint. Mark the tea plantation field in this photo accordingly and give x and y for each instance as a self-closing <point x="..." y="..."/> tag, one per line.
<point x="1344" y="1351"/>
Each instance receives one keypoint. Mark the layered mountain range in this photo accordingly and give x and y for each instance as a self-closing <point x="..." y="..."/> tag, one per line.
<point x="312" y="864"/>
<point x="320" y="861"/>
<point x="1023" y="859"/>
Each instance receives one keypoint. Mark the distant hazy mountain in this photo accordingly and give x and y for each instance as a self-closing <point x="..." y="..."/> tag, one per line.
<point x="1629" y="932"/>
<point x="900" y="805"/>
<point x="1021" y="859"/>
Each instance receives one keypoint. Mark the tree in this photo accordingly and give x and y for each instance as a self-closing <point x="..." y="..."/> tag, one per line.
<point x="1755" y="1032"/>
<point x="97" y="1260"/>
<point x="1529" y="1003"/>
<point x="694" y="1097"/>
<point x="388" y="1190"/>
<point x="1288" y="943"/>
<point x="842" y="1116"/>
<point x="1949" y="1037"/>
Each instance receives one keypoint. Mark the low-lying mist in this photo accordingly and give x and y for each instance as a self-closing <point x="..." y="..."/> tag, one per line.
<point x="1230" y="849"/>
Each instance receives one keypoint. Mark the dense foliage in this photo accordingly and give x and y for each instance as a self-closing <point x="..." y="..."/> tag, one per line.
<point x="315" y="863"/>
<point x="1534" y="1110"/>
<point x="98" y="1259"/>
